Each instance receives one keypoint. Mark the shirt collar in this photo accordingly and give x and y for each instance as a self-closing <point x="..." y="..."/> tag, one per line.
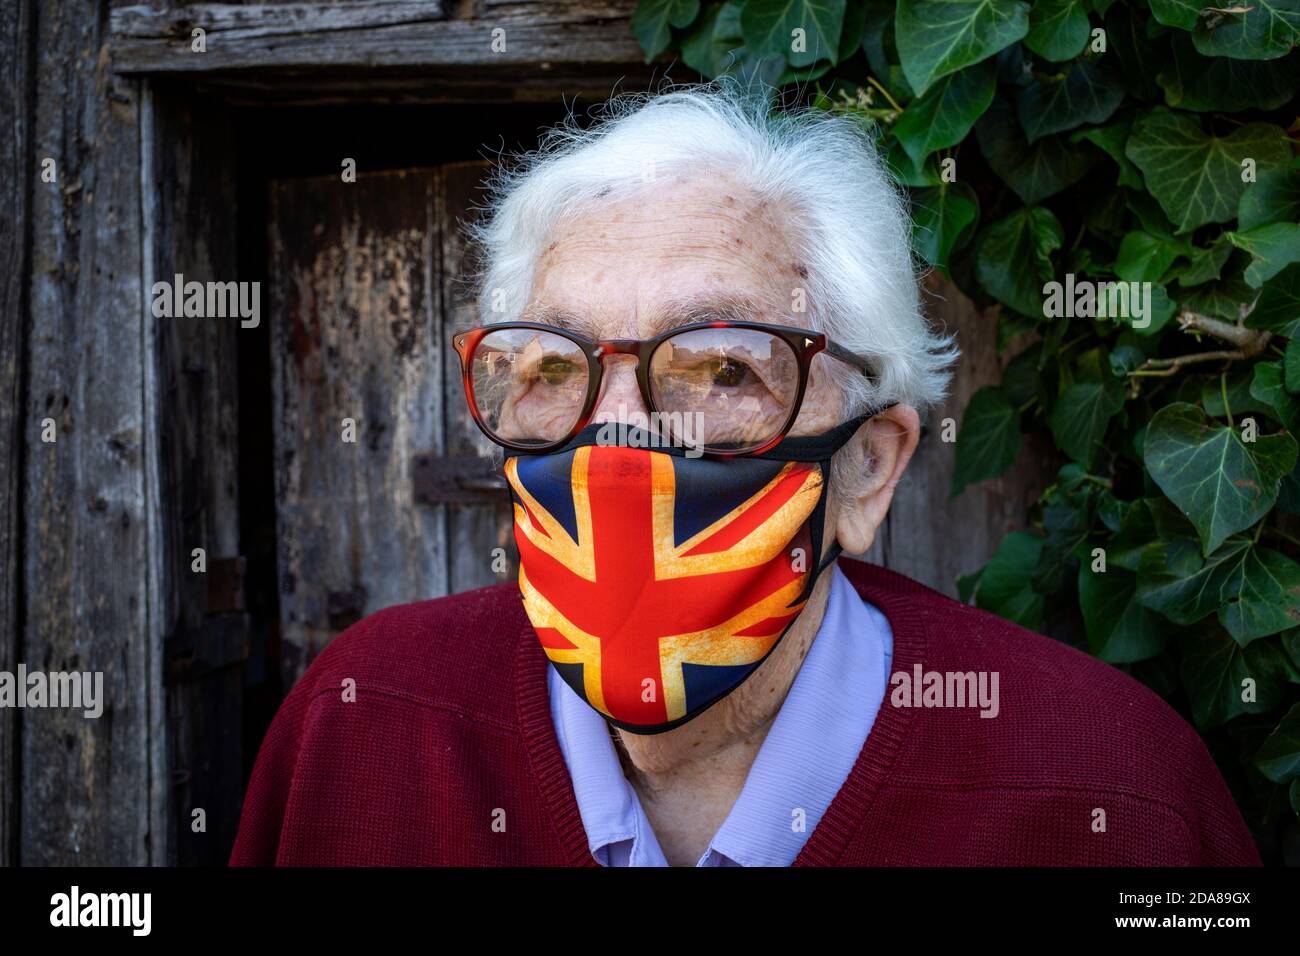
<point x="805" y="757"/>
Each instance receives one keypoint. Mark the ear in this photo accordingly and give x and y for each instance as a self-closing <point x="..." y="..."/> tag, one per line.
<point x="865" y="472"/>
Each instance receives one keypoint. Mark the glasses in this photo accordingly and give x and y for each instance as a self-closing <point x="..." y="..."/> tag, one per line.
<point x="727" y="388"/>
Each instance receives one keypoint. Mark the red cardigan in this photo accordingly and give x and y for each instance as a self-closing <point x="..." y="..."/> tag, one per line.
<point x="451" y="730"/>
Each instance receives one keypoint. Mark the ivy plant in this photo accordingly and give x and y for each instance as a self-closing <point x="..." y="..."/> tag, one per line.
<point x="1121" y="177"/>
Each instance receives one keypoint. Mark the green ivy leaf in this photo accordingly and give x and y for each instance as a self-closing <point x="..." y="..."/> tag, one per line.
<point x="938" y="37"/>
<point x="706" y="50"/>
<point x="1266" y="30"/>
<point x="908" y="173"/>
<point x="1288" y="494"/>
<point x="1205" y="265"/>
<point x="1215" y="83"/>
<point x="1222" y="484"/>
<point x="1162" y="310"/>
<point x="1241" y="401"/>
<point x="1120" y="629"/>
<point x="1033" y="172"/>
<point x="1140" y="54"/>
<point x="1124" y="549"/>
<point x="1112" y="139"/>
<point x="768" y="28"/>
<point x="1279" y="756"/>
<point x="1223" y="299"/>
<point x="989" y="440"/>
<point x="852" y="32"/>
<point x="1058" y="29"/>
<point x="1269" y="29"/>
<point x="1268" y="386"/>
<point x="1088" y="93"/>
<point x="1273" y="197"/>
<point x="947" y="111"/>
<point x="1027" y="238"/>
<point x="942" y="216"/>
<point x="1153" y="218"/>
<point x="1082" y="414"/>
<point x="715" y="46"/>
<point x="1278" y="307"/>
<point x="1176" y="13"/>
<point x="1291" y="645"/>
<point x="1143" y="257"/>
<point x="1291" y="366"/>
<point x="653" y="19"/>
<point x="1067" y="522"/>
<point x="1196" y="177"/>
<point x="1256" y="591"/>
<point x="1004" y="587"/>
<point x="882" y="53"/>
<point x="1213" y="669"/>
<point x="1272" y="248"/>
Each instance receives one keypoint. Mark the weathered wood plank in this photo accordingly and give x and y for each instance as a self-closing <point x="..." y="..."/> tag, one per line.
<point x="927" y="535"/>
<point x="307" y="35"/>
<point x="474" y="532"/>
<point x="190" y="211"/>
<point x="356" y="335"/>
<point x="586" y="83"/>
<point x="86" y="783"/>
<point x="16" y="96"/>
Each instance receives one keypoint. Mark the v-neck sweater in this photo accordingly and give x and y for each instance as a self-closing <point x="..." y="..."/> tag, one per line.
<point x="423" y="735"/>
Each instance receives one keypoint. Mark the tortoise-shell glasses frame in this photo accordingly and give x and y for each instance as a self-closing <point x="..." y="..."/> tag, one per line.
<point x="803" y="343"/>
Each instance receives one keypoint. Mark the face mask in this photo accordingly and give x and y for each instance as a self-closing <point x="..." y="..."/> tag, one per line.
<point x="656" y="582"/>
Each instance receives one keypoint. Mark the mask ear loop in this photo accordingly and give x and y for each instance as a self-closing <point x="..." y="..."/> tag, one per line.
<point x="832" y="556"/>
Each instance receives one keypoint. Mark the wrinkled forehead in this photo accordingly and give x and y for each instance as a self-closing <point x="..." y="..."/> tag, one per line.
<point x="683" y="251"/>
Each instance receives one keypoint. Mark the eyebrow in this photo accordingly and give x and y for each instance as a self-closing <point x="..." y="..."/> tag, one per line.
<point x="560" y="318"/>
<point x="667" y="315"/>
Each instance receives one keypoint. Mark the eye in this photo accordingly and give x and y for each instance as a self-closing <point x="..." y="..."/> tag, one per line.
<point x="729" y="373"/>
<point x="556" y="369"/>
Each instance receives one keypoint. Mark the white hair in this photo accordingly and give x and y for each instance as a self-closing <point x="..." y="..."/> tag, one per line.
<point x="847" y="221"/>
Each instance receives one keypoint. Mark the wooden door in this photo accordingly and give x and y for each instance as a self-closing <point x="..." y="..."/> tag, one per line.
<point x="381" y="498"/>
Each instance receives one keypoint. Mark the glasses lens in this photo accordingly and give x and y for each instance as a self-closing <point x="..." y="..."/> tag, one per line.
<point x="725" y="388"/>
<point x="529" y="386"/>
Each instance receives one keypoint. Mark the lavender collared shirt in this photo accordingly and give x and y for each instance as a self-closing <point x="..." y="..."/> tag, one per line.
<point x="807" y="754"/>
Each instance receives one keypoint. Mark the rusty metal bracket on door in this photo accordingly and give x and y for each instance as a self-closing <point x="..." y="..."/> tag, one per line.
<point x="457" y="480"/>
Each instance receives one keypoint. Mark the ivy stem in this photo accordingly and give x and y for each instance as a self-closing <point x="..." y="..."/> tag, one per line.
<point x="1249" y="342"/>
<point x="1169" y="366"/>
<point x="1283" y="535"/>
<point x="1223" y="390"/>
<point x="885" y="93"/>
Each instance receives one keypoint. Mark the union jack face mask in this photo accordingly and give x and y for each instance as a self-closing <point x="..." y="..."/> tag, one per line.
<point x="658" y="582"/>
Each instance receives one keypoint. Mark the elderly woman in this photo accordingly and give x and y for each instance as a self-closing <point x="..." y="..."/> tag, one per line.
<point x="683" y="673"/>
